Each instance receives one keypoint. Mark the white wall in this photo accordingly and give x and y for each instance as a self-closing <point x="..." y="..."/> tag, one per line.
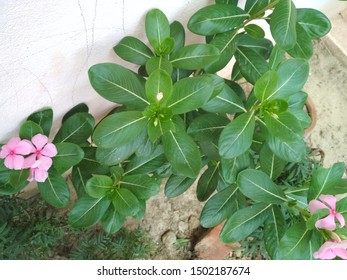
<point x="47" y="47"/>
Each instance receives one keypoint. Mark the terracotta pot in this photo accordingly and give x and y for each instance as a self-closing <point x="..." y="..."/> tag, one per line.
<point x="311" y="110"/>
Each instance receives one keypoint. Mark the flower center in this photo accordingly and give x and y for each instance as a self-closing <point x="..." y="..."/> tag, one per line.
<point x="12" y="153"/>
<point x="38" y="152"/>
<point x="333" y="212"/>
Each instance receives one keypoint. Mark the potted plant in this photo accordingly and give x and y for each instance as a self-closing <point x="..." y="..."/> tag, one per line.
<point x="179" y="121"/>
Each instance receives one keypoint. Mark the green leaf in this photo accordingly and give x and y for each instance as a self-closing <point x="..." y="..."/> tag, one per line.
<point x="55" y="190"/>
<point x="208" y="181"/>
<point x="99" y="186"/>
<point x="258" y="186"/>
<point x="29" y="129"/>
<point x="315" y="23"/>
<point x="76" y="129"/>
<point x="219" y="207"/>
<point x="230" y="2"/>
<point x="236" y="72"/>
<point x="294" y="244"/>
<point x="303" y="47"/>
<point x="189" y="94"/>
<point x="195" y="56"/>
<point x="252" y="65"/>
<point x="341" y="207"/>
<point x="254" y="7"/>
<point x="158" y="82"/>
<point x="178" y="33"/>
<point x="255" y="31"/>
<point x="182" y="153"/>
<point x="277" y="56"/>
<point x="292" y="74"/>
<point x="288" y="151"/>
<point x="167" y="46"/>
<point x="177" y="185"/>
<point x="266" y="85"/>
<point x="119" y="129"/>
<point x="112" y="221"/>
<point x="156" y="63"/>
<point x="231" y="167"/>
<point x="69" y="154"/>
<point x="274" y="229"/>
<point x="133" y="50"/>
<point x="271" y="164"/>
<point x="226" y="44"/>
<point x="44" y="119"/>
<point x="179" y="74"/>
<point x="226" y="102"/>
<point x="319" y="214"/>
<point x="142" y="186"/>
<point x="284" y="126"/>
<point x="125" y="202"/>
<point x="79" y="108"/>
<point x="18" y="178"/>
<point x="283" y="24"/>
<point x="215" y="19"/>
<point x="236" y="138"/>
<point x="243" y="222"/>
<point x="263" y="46"/>
<point x="6" y="188"/>
<point x="118" y="84"/>
<point x="325" y="179"/>
<point x="87" y="211"/>
<point x="157" y="28"/>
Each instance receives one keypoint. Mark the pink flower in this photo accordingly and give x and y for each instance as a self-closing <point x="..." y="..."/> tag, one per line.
<point x="332" y="249"/>
<point x="14" y="151"/>
<point x="42" y="150"/>
<point x="38" y="172"/>
<point x="329" y="202"/>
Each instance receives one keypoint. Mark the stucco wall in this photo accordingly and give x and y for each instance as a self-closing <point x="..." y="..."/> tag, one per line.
<point x="47" y="47"/>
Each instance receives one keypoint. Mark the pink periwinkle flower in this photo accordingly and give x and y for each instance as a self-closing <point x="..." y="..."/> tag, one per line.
<point x="38" y="171"/>
<point x="329" y="202"/>
<point x="332" y="249"/>
<point x="14" y="151"/>
<point x="42" y="151"/>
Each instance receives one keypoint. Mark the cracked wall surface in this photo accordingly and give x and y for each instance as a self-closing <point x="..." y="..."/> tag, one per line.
<point x="47" y="47"/>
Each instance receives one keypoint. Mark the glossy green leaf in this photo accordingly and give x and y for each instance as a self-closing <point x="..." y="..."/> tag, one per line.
<point x="158" y="86"/>
<point x="266" y="85"/>
<point x="271" y="164"/>
<point x="255" y="31"/>
<point x="294" y="244"/>
<point x="254" y="7"/>
<point x="119" y="129"/>
<point x="29" y="129"/>
<point x="302" y="116"/>
<point x="258" y="186"/>
<point x="6" y="188"/>
<point x="44" y="119"/>
<point x="341" y="206"/>
<point x="230" y="2"/>
<point x="215" y="19"/>
<point x="87" y="211"/>
<point x="118" y="84"/>
<point x="283" y="24"/>
<point x="142" y="186"/>
<point x="76" y="129"/>
<point x="317" y="215"/>
<point x="189" y="94"/>
<point x="69" y="154"/>
<point x="231" y="167"/>
<point x="195" y="56"/>
<point x="156" y="63"/>
<point x="297" y="100"/>
<point x="179" y="74"/>
<point x="315" y="23"/>
<point x="112" y="221"/>
<point x="236" y="72"/>
<point x="99" y="186"/>
<point x="208" y="181"/>
<point x="182" y="153"/>
<point x="284" y="126"/>
<point x="18" y="178"/>
<point x="178" y="33"/>
<point x="274" y="229"/>
<point x="219" y="207"/>
<point x="325" y="179"/>
<point x="243" y="222"/>
<point x="125" y="202"/>
<point x="55" y="190"/>
<point x="303" y="47"/>
<point x="79" y="108"/>
<point x="236" y="138"/>
<point x="133" y="50"/>
<point x="263" y="46"/>
<point x="226" y="44"/>
<point x="167" y="46"/>
<point x="252" y="65"/>
<point x="226" y="102"/>
<point x="157" y="28"/>
<point x="288" y="151"/>
<point x="177" y="185"/>
<point x="277" y="56"/>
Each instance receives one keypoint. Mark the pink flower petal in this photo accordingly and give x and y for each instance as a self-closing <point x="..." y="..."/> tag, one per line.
<point x="41" y="175"/>
<point x="4" y="151"/>
<point x="327" y="254"/>
<point x="32" y="174"/>
<point x="24" y="147"/>
<point x="343" y="244"/>
<point x="330" y="200"/>
<point x="340" y="252"/>
<point x="341" y="219"/>
<point x="49" y="150"/>
<point x="315" y="205"/>
<point x="327" y="223"/>
<point x="39" y="140"/>
<point x="12" y="143"/>
<point x="14" y="162"/>
<point x="29" y="161"/>
<point x="44" y="163"/>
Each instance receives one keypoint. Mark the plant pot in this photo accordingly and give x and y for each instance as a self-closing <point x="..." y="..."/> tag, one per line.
<point x="312" y="112"/>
